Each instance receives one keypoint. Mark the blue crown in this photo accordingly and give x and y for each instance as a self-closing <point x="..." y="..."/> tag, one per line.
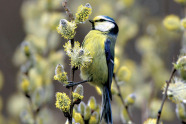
<point x="109" y="18"/>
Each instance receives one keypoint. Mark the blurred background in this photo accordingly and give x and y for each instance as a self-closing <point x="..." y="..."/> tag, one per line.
<point x="145" y="50"/>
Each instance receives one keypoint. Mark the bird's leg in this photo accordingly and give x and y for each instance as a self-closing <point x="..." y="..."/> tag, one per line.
<point x="71" y="84"/>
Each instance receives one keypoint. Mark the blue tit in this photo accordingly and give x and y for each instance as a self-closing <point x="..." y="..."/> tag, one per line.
<point x="100" y="42"/>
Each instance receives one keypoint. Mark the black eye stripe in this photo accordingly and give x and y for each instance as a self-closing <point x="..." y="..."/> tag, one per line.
<point x="100" y="20"/>
<point x="103" y="20"/>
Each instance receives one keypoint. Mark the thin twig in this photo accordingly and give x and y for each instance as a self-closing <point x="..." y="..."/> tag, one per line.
<point x="71" y="97"/>
<point x="122" y="100"/>
<point x="64" y="4"/>
<point x="165" y="95"/>
<point x="71" y="88"/>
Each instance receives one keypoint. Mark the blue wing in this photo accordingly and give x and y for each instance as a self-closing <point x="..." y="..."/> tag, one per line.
<point x="110" y="65"/>
<point x="106" y="96"/>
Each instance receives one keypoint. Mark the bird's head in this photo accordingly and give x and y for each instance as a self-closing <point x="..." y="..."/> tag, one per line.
<point x="104" y="24"/>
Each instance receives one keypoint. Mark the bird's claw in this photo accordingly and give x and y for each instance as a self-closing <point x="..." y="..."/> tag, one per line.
<point x="71" y="84"/>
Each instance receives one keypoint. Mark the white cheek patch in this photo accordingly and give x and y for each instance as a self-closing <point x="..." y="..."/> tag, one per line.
<point x="104" y="26"/>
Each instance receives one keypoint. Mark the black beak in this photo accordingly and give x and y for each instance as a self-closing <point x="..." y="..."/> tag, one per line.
<point x="91" y="21"/>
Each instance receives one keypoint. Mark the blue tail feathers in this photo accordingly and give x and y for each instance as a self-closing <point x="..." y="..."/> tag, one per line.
<point x="106" y="106"/>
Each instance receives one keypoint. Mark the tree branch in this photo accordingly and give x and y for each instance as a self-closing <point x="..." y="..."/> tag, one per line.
<point x="122" y="100"/>
<point x="165" y="96"/>
<point x="71" y="96"/>
<point x="64" y="4"/>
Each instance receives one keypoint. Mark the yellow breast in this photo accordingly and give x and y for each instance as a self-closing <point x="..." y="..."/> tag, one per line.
<point x="97" y="71"/>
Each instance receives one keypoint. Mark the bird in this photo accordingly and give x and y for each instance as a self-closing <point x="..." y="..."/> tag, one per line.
<point x="100" y="42"/>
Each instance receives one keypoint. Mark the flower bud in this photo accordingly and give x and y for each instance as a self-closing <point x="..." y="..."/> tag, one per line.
<point x="79" y="89"/>
<point x="176" y="91"/>
<point x="87" y="113"/>
<point x="78" y="118"/>
<point x="78" y="55"/>
<point x="59" y="69"/>
<point x="60" y="74"/>
<point x="172" y="22"/>
<point x="130" y="99"/>
<point x="124" y="74"/>
<point x="66" y="29"/>
<point x="83" y="13"/>
<point x="78" y="94"/>
<point x="94" y="119"/>
<point x="26" y="49"/>
<point x="180" y="65"/>
<point x="81" y="108"/>
<point x="124" y="116"/>
<point x="92" y="103"/>
<point x="25" y="84"/>
<point x="63" y="102"/>
<point x="180" y="111"/>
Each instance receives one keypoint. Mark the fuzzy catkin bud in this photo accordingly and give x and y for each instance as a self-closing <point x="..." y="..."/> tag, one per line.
<point x="92" y="103"/>
<point x="81" y="108"/>
<point x="78" y="118"/>
<point x="26" y="48"/>
<point x="94" y="118"/>
<point x="79" y="89"/>
<point x="77" y="98"/>
<point x="87" y="113"/>
<point x="180" y="65"/>
<point x="124" y="74"/>
<point x="130" y="99"/>
<point x="78" y="55"/>
<point x="25" y="85"/>
<point x="59" y="69"/>
<point x="60" y="74"/>
<point x="124" y="116"/>
<point x="176" y="91"/>
<point x="83" y="13"/>
<point x="63" y="102"/>
<point x="78" y="94"/>
<point x="66" y="29"/>
<point x="180" y="111"/>
<point x="172" y="22"/>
